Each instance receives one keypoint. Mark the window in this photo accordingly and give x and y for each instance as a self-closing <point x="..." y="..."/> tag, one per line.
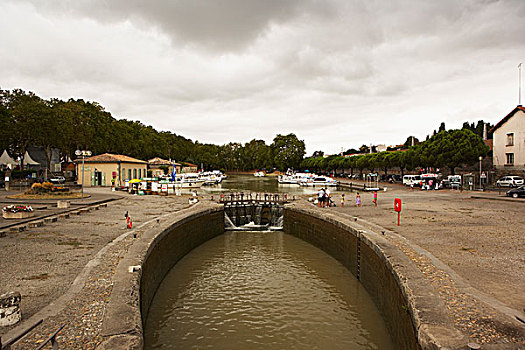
<point x="123" y="174"/>
<point x="510" y="139"/>
<point x="510" y="158"/>
<point x="129" y="174"/>
<point x="134" y="173"/>
<point x="140" y="173"/>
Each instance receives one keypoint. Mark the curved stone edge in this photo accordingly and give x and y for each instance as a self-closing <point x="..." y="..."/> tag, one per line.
<point x="433" y="327"/>
<point x="122" y="327"/>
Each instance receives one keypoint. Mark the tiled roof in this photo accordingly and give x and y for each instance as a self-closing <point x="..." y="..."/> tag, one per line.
<point x="507" y="117"/>
<point x="160" y="161"/>
<point x="111" y="158"/>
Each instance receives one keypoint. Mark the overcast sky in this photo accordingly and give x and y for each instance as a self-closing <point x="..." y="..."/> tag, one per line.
<point x="337" y="73"/>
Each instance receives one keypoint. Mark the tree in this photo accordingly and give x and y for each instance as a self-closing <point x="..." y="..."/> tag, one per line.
<point x="317" y="154"/>
<point x="288" y="151"/>
<point x="257" y="155"/>
<point x="452" y="148"/>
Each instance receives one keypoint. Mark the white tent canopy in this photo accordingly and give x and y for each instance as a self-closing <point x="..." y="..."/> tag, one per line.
<point x="28" y="160"/>
<point x="6" y="160"/>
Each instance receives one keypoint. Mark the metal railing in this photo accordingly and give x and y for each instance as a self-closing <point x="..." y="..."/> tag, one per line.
<point x="245" y="198"/>
<point x="51" y="339"/>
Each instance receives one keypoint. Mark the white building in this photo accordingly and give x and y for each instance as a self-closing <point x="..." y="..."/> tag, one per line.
<point x="509" y="143"/>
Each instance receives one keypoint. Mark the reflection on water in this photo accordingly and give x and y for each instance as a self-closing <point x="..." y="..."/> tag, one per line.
<point x="262" y="290"/>
<point x="268" y="184"/>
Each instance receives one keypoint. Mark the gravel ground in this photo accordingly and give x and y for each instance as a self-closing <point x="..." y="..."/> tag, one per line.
<point x="480" y="240"/>
<point x="43" y="262"/>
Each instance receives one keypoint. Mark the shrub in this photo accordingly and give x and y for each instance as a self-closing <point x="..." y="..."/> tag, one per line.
<point x="35" y="188"/>
<point x="47" y="187"/>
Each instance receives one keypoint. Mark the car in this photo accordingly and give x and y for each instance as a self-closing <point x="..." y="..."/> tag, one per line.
<point x="516" y="192"/>
<point x="509" y="181"/>
<point x="57" y="179"/>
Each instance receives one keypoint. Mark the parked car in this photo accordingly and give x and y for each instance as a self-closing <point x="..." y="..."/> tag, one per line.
<point x="509" y="181"/>
<point x="414" y="180"/>
<point x="452" y="181"/>
<point x="57" y="179"/>
<point x="516" y="192"/>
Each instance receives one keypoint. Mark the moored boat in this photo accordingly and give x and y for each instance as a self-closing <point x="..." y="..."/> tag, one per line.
<point x="319" y="181"/>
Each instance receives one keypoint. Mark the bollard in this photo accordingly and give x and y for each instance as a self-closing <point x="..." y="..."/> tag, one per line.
<point x="10" y="309"/>
<point x="63" y="204"/>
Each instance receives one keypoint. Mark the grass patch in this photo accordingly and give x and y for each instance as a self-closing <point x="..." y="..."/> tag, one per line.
<point x="73" y="242"/>
<point x="41" y="277"/>
<point x="466" y="249"/>
<point x="55" y="195"/>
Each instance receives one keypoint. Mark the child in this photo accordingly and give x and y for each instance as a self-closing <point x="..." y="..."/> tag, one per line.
<point x="343" y="200"/>
<point x="358" y="200"/>
<point x="375" y="198"/>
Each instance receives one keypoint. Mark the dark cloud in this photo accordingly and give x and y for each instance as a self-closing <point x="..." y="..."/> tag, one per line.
<point x="261" y="67"/>
<point x="221" y="25"/>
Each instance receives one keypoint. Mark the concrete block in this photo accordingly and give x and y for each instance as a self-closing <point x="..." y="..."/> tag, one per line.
<point x="19" y="215"/>
<point x="64" y="204"/>
<point x="35" y="224"/>
<point x="2" y="234"/>
<point x="50" y="219"/>
<point x="64" y="216"/>
<point x="10" y="309"/>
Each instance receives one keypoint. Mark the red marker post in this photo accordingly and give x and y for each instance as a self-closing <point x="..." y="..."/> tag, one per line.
<point x="397" y="207"/>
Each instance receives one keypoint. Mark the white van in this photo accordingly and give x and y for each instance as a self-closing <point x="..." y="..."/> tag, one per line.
<point x="411" y="180"/>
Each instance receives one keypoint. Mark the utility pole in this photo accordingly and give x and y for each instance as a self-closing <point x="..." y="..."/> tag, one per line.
<point x="519" y="82"/>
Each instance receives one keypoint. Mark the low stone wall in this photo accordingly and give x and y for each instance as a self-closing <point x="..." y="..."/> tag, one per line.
<point x="412" y="309"/>
<point x="147" y="262"/>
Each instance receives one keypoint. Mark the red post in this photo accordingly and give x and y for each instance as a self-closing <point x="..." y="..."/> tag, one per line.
<point x="397" y="207"/>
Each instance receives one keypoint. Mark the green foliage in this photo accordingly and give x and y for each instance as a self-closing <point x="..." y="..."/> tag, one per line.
<point x="288" y="151"/>
<point x="446" y="149"/>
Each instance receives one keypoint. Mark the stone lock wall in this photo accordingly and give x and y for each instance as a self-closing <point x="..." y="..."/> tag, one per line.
<point x="413" y="311"/>
<point x="147" y="262"/>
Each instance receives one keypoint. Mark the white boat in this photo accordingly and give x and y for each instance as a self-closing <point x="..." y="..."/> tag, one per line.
<point x="295" y="178"/>
<point x="259" y="174"/>
<point x="188" y="180"/>
<point x="210" y="178"/>
<point x="319" y="181"/>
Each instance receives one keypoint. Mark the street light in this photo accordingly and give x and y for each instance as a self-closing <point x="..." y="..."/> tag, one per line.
<point x="83" y="154"/>
<point x="480" y="178"/>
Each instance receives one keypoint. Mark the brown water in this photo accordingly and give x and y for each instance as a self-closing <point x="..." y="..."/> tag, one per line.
<point x="262" y="290"/>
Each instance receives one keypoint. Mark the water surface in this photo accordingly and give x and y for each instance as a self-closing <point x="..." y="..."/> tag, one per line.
<point x="262" y="290"/>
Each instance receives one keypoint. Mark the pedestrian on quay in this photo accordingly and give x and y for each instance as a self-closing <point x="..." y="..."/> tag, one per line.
<point x="320" y="198"/>
<point x="358" y="200"/>
<point x="327" y="197"/>
<point x="375" y="198"/>
<point x="343" y="200"/>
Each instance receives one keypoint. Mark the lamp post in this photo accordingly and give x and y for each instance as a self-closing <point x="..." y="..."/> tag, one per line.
<point x="83" y="154"/>
<point x="480" y="178"/>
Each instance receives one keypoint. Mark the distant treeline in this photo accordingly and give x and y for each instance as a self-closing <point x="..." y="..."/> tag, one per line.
<point x="445" y="149"/>
<point x="28" y="120"/>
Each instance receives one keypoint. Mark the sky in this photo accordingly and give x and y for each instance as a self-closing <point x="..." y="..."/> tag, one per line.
<point x="337" y="73"/>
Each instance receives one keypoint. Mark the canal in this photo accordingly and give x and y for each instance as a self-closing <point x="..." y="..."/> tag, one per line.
<point x="262" y="290"/>
<point x="267" y="184"/>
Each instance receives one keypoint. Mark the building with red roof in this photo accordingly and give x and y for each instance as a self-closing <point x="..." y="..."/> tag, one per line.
<point x="509" y="143"/>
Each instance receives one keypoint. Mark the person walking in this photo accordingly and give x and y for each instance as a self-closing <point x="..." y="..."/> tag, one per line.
<point x="375" y="198"/>
<point x="343" y="200"/>
<point x="358" y="200"/>
<point x="327" y="197"/>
